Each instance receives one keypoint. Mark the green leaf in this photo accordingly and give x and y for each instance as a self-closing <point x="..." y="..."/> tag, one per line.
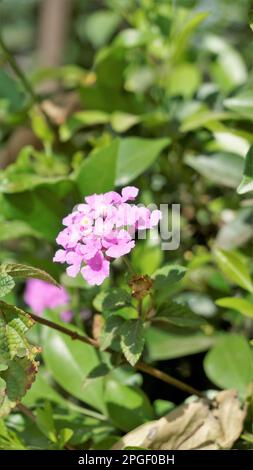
<point x="229" y="69"/>
<point x="80" y="120"/>
<point x="21" y="271"/>
<point x="168" y="275"/>
<point x="41" y="127"/>
<point x="166" y="280"/>
<point x="246" y="184"/>
<point x="97" y="172"/>
<point x="121" y="122"/>
<point x="230" y="363"/>
<point x="131" y="37"/>
<point x="177" y="85"/>
<point x="36" y="208"/>
<point x="115" y="299"/>
<point x="163" y="345"/>
<point x="251" y="18"/>
<point x="9" y="90"/>
<point x="9" y="439"/>
<point x="163" y="407"/>
<point x="110" y="331"/>
<point x="234" y="268"/>
<point x="64" y="436"/>
<point x="235" y="303"/>
<point x="12" y="229"/>
<point x="174" y="313"/>
<point x="140" y="79"/>
<point x="230" y="140"/>
<point x="146" y="258"/>
<point x="18" y="182"/>
<point x="98" y="27"/>
<point x="242" y="103"/>
<point x="41" y="389"/>
<point x="203" y="118"/>
<point x="221" y="168"/>
<point x="6" y="284"/>
<point x="132" y="340"/>
<point x="136" y="155"/>
<point x="236" y="232"/>
<point x="181" y="37"/>
<point x="17" y="357"/>
<point x="45" y="422"/>
<point x="70" y="362"/>
<point x="128" y="407"/>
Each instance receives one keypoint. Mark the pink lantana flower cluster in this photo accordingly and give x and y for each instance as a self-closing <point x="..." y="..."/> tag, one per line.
<point x="101" y="230"/>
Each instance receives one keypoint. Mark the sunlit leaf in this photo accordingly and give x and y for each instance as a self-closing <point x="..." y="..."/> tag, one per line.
<point x="234" y="268"/>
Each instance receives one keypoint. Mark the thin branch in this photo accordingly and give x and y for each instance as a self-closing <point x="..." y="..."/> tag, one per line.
<point x="18" y="71"/>
<point x="25" y="411"/>
<point x="158" y="374"/>
<point x="73" y="334"/>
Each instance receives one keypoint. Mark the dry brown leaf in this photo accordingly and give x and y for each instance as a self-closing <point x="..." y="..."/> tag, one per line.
<point x="196" y="425"/>
<point x="61" y="108"/>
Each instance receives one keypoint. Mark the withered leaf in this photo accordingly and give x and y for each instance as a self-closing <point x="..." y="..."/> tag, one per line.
<point x="196" y="425"/>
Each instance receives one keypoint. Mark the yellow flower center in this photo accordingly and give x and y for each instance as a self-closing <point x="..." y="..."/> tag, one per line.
<point x="85" y="221"/>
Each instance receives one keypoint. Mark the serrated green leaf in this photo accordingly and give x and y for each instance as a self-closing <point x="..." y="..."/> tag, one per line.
<point x="110" y="331"/>
<point x="166" y="281"/>
<point x="17" y="357"/>
<point x="168" y="275"/>
<point x="132" y="340"/>
<point x="7" y="283"/>
<point x="115" y="299"/>
<point x="21" y="271"/>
